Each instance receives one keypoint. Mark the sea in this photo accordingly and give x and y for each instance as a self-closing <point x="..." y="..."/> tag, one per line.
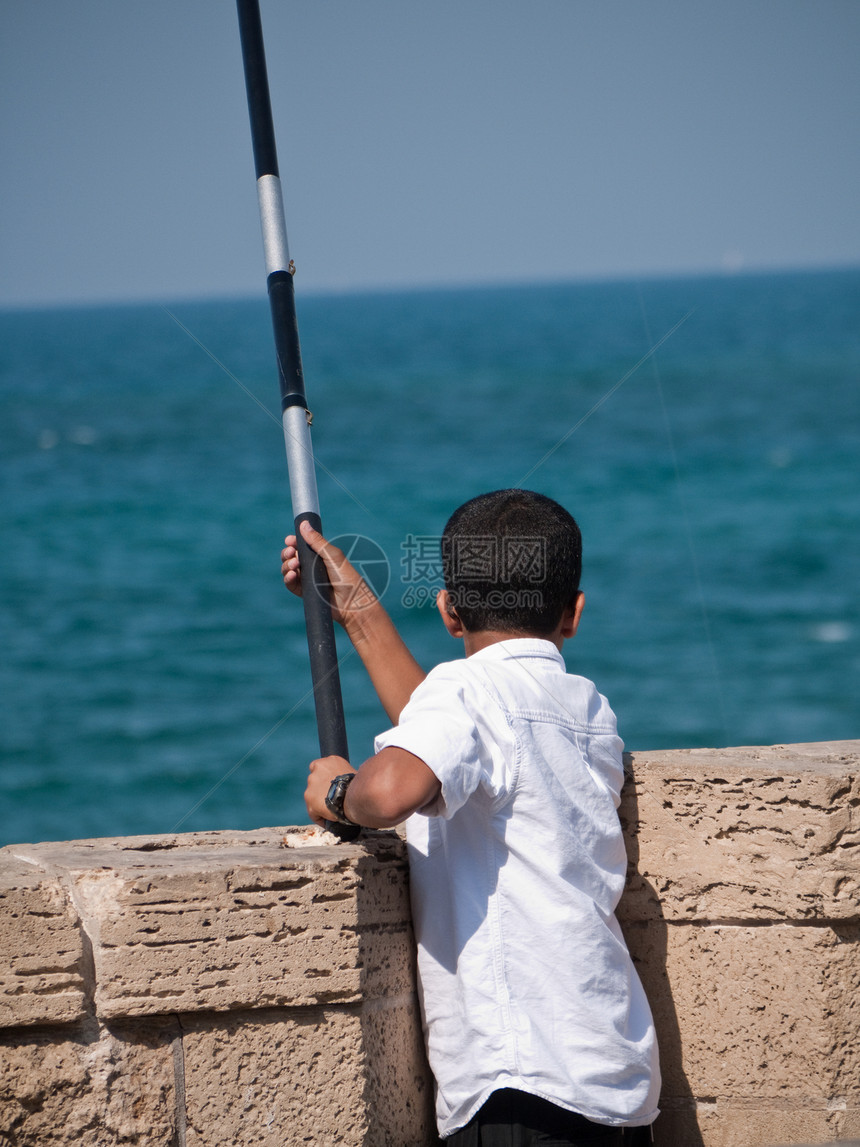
<point x="705" y="432"/>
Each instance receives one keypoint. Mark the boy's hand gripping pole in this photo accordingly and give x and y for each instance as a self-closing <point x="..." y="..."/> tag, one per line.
<point x="296" y="419"/>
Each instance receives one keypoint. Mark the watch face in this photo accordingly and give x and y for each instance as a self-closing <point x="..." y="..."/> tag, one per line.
<point x="336" y="793"/>
<point x="331" y="798"/>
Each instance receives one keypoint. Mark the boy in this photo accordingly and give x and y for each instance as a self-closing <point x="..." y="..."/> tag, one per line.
<point x="509" y="772"/>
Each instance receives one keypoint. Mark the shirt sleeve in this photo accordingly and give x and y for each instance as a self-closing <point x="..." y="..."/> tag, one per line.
<point x="437" y="727"/>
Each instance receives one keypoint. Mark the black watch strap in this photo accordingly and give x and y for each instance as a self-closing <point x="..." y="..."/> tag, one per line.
<point x="334" y="799"/>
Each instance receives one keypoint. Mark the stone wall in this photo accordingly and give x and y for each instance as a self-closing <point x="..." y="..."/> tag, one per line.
<point x="258" y="988"/>
<point x="743" y="915"/>
<point x="207" y="989"/>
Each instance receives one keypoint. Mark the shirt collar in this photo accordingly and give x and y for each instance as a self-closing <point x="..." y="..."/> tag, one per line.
<point x="520" y="647"/>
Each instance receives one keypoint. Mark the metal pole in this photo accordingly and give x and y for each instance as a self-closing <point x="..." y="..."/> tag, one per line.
<point x="328" y="701"/>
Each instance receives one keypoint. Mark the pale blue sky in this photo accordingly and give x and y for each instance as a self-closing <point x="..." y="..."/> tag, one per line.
<point x="458" y="141"/>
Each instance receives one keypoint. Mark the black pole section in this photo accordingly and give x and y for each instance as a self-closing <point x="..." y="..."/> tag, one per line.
<point x="328" y="701"/>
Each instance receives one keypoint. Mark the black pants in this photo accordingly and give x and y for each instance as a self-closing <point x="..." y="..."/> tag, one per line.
<point x="512" y="1118"/>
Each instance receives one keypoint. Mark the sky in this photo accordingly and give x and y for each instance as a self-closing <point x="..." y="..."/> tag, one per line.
<point x="422" y="144"/>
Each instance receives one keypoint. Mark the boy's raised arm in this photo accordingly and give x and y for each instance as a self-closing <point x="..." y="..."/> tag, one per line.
<point x="393" y="670"/>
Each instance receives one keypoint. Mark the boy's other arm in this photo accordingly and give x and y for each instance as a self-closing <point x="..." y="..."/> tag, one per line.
<point x="387" y="788"/>
<point x="392" y="669"/>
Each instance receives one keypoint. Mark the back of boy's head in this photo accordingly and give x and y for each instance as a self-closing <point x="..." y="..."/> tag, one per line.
<point x="512" y="561"/>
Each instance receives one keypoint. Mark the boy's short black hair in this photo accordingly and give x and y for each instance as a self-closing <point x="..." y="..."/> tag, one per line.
<point x="512" y="561"/>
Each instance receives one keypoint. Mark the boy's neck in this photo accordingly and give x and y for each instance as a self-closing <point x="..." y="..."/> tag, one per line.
<point x="478" y="639"/>
<point x="475" y="640"/>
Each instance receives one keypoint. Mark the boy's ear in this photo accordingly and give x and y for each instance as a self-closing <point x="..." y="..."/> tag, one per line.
<point x="570" y="620"/>
<point x="448" y="614"/>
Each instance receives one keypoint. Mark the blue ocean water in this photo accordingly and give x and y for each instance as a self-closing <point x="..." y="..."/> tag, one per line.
<point x="154" y="676"/>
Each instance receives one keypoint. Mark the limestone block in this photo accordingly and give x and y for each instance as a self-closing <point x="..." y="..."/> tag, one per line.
<point x="353" y="1075"/>
<point x="398" y="1086"/>
<point x="830" y="1142"/>
<point x="771" y="1012"/>
<point x="741" y="834"/>
<point x="753" y="1123"/>
<point x="222" y="921"/>
<point x="92" y="1085"/>
<point x="271" y="1078"/>
<point x="41" y="951"/>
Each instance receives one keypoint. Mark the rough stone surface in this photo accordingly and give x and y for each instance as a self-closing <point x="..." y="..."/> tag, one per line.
<point x="41" y="949"/>
<point x="205" y="924"/>
<point x="745" y="1012"/>
<point x="398" y="1087"/>
<point x="724" y="1123"/>
<point x="742" y="916"/>
<point x="92" y="1084"/>
<point x="744" y="834"/>
<point x="274" y="1077"/>
<point x="305" y="944"/>
<point x="305" y="1075"/>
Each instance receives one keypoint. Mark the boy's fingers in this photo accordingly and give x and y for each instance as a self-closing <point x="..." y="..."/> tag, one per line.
<point x="320" y="546"/>
<point x="313" y="537"/>
<point x="290" y="568"/>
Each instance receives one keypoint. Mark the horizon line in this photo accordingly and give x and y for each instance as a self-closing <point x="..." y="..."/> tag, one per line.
<point x="100" y="302"/>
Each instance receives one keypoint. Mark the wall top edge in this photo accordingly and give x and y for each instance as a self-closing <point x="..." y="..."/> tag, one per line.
<point x="823" y="757"/>
<point x="287" y="846"/>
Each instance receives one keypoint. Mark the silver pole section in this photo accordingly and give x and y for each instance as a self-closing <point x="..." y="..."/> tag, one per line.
<point x="303" y="479"/>
<point x="273" y="223"/>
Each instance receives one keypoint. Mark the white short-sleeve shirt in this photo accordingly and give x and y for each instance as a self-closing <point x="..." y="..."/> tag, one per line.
<point x="516" y="869"/>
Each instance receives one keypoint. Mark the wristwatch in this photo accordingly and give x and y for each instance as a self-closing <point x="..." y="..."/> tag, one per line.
<point x="336" y="793"/>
